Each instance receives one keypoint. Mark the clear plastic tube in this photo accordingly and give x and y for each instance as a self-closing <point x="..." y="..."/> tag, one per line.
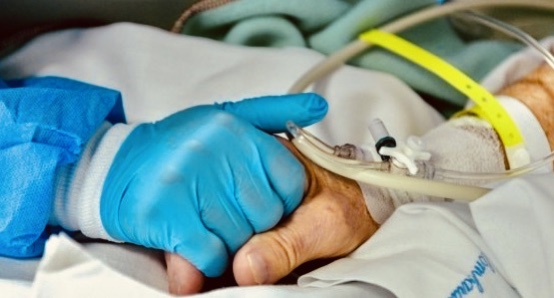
<point x="378" y="173"/>
<point x="486" y="177"/>
<point x="322" y="154"/>
<point x="324" y="148"/>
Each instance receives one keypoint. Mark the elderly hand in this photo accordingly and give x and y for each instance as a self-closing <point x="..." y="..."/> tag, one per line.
<point x="332" y="221"/>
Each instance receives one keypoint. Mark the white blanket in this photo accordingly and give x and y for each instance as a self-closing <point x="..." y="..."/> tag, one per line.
<point x="424" y="250"/>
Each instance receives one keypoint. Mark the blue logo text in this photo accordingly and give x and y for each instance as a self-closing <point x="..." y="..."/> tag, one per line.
<point x="472" y="281"/>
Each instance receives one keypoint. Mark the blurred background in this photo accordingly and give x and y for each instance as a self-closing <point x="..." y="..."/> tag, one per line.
<point x="16" y="15"/>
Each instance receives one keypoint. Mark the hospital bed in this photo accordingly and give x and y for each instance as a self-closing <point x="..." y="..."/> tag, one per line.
<point x="424" y="249"/>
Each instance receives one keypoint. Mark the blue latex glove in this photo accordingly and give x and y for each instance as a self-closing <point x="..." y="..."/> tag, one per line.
<point x="202" y="181"/>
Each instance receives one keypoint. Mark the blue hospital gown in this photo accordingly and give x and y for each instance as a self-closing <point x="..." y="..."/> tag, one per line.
<point x="44" y="123"/>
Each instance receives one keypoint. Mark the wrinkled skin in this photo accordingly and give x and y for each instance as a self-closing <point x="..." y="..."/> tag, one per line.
<point x="332" y="221"/>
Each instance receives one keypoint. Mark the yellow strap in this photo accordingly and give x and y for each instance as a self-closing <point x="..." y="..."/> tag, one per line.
<point x="486" y="105"/>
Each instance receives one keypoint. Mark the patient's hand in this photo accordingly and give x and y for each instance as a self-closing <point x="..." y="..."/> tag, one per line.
<point x="536" y="91"/>
<point x="332" y="221"/>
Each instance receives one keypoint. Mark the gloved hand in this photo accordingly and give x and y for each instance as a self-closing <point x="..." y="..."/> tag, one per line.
<point x="203" y="180"/>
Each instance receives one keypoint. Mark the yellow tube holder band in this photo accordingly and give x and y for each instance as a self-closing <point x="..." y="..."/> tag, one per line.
<point x="486" y="106"/>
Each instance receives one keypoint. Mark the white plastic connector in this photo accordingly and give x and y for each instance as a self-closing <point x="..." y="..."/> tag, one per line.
<point x="406" y="155"/>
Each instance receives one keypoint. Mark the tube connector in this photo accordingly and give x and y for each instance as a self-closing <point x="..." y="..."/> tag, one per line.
<point x="407" y="155"/>
<point x="381" y="136"/>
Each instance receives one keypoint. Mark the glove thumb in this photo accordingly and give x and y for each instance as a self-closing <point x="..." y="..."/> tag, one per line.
<point x="271" y="113"/>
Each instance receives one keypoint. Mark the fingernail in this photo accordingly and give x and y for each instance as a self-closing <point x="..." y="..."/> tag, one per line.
<point x="257" y="268"/>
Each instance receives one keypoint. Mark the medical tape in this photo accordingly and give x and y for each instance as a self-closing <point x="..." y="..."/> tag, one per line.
<point x="486" y="106"/>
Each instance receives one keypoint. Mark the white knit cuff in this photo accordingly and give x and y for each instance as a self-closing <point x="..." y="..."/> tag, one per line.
<point x="79" y="187"/>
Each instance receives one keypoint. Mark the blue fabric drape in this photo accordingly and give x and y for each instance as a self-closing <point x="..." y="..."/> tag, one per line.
<point x="44" y="123"/>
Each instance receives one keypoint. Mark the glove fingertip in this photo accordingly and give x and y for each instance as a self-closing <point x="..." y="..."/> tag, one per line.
<point x="316" y="108"/>
<point x="271" y="113"/>
<point x="211" y="259"/>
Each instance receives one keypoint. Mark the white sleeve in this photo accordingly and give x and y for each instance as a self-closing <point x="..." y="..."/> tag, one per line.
<point x="79" y="186"/>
